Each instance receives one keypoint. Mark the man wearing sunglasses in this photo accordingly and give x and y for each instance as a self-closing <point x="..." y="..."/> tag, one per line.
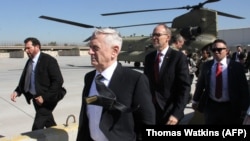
<point x="222" y="90"/>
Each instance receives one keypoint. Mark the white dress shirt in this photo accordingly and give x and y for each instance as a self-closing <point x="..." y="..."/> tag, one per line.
<point x="94" y="112"/>
<point x="225" y="95"/>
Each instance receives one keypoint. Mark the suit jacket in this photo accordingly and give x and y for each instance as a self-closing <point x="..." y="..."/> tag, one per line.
<point x="237" y="87"/>
<point x="48" y="79"/>
<point x="247" y="62"/>
<point x="131" y="89"/>
<point x="172" y="92"/>
<point x="235" y="55"/>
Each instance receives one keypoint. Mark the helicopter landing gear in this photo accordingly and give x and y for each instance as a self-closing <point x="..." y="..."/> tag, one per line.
<point x="137" y="64"/>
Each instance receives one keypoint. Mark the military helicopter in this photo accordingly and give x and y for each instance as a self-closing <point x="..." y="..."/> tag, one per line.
<point x="134" y="48"/>
<point x="198" y="27"/>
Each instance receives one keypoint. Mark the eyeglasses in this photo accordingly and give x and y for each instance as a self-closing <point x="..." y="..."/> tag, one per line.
<point x="217" y="49"/>
<point x="158" y="34"/>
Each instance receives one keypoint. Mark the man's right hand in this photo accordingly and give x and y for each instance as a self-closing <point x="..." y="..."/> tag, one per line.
<point x="13" y="96"/>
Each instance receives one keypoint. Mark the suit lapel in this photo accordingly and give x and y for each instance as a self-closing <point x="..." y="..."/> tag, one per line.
<point x="208" y="71"/>
<point x="38" y="62"/>
<point x="115" y="77"/>
<point x="89" y="78"/>
<point x="229" y="75"/>
<point x="165" y="61"/>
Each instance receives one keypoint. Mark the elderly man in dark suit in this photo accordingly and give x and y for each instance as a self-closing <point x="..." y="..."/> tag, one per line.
<point x="42" y="83"/>
<point x="222" y="90"/>
<point x="117" y="110"/>
<point x="169" y="78"/>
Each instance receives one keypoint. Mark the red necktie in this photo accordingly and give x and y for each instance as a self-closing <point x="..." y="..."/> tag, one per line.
<point x="156" y="66"/>
<point x="218" y="89"/>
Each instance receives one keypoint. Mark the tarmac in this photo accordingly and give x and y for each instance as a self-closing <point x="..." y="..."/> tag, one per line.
<point x="17" y="117"/>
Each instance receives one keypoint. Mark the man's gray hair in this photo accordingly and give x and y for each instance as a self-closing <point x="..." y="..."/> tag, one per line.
<point x="112" y="36"/>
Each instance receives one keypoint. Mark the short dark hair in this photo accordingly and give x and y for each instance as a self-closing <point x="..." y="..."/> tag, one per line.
<point x="34" y="41"/>
<point x="219" y="41"/>
<point x="207" y="49"/>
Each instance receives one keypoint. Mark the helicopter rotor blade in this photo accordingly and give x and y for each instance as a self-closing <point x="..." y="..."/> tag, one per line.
<point x="139" y="11"/>
<point x="209" y="1"/>
<point x="86" y="40"/>
<point x="229" y="15"/>
<point x="67" y="22"/>
<point x="150" y="10"/>
<point x="200" y="5"/>
<point x="141" y="24"/>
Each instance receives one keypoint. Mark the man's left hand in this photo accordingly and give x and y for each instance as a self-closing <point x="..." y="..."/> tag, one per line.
<point x="39" y="100"/>
<point x="172" y="120"/>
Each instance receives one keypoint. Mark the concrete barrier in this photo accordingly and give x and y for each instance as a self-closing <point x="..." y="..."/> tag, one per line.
<point x="65" y="132"/>
<point x="22" y="54"/>
<point x="18" y="54"/>
<point x="56" y="133"/>
<point x="4" y="55"/>
<point x="73" y="52"/>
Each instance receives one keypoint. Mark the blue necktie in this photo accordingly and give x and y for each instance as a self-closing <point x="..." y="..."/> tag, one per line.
<point x="28" y="76"/>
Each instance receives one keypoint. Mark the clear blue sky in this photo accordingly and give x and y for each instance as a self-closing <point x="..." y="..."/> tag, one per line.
<point x="19" y="18"/>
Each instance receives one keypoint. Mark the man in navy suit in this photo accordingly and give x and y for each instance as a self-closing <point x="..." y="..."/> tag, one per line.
<point x="231" y="105"/>
<point x="170" y="80"/>
<point x="44" y="86"/>
<point x="111" y="120"/>
<point x="238" y="55"/>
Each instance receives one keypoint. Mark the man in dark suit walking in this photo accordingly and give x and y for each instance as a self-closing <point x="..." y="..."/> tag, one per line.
<point x="169" y="78"/>
<point x="117" y="110"/>
<point x="222" y="90"/>
<point x="42" y="84"/>
<point x="238" y="55"/>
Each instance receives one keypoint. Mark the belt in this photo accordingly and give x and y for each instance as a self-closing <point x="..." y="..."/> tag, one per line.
<point x="31" y="95"/>
<point x="219" y="102"/>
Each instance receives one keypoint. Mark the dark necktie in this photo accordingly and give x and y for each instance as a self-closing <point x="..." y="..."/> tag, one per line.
<point x="102" y="89"/>
<point x="107" y="98"/>
<point x="157" y="66"/>
<point x="28" y="76"/>
<point x="218" y="89"/>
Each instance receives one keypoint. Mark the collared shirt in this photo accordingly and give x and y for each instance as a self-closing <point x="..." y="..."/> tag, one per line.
<point x="94" y="112"/>
<point x="237" y="57"/>
<point x="32" y="84"/>
<point x="225" y="95"/>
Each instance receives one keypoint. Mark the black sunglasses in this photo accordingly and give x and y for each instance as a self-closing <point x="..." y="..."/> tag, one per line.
<point x="217" y="49"/>
<point x="158" y="34"/>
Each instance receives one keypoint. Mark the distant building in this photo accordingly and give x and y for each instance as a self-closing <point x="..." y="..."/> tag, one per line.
<point x="234" y="37"/>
